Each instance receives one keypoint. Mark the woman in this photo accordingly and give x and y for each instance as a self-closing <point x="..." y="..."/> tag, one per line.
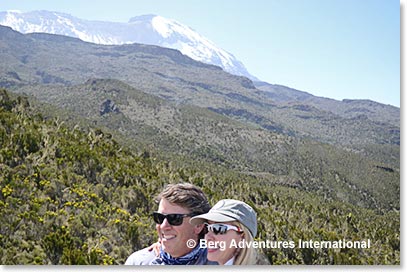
<point x="231" y="226"/>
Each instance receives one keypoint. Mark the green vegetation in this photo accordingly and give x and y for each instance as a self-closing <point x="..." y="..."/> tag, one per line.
<point x="104" y="128"/>
<point x="70" y="195"/>
<point x="205" y="136"/>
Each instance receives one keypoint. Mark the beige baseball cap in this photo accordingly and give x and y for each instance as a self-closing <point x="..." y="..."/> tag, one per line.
<point x="227" y="210"/>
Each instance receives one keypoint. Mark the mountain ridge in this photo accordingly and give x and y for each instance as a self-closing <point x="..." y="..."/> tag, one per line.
<point x="146" y="29"/>
<point x="169" y="74"/>
<point x="348" y="108"/>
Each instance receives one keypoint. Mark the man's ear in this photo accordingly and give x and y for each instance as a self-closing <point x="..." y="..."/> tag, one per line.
<point x="198" y="228"/>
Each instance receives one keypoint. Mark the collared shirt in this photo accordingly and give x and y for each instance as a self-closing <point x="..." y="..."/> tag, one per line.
<point x="230" y="262"/>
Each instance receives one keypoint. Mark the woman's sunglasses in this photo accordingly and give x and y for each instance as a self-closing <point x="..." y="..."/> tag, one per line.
<point x="174" y="219"/>
<point x="221" y="228"/>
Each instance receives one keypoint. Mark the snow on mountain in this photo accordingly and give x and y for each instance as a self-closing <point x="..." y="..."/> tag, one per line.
<point x="146" y="29"/>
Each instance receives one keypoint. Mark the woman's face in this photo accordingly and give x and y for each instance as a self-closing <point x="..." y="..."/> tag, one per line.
<point x="219" y="245"/>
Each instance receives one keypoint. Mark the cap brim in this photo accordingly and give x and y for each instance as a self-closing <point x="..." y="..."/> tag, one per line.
<point x="216" y="217"/>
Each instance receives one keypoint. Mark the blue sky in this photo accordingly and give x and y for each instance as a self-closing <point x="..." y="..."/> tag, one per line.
<point x="332" y="48"/>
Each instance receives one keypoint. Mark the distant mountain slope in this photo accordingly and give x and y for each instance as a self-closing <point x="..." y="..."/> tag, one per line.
<point x="203" y="135"/>
<point x="52" y="59"/>
<point x="346" y="108"/>
<point x="146" y="29"/>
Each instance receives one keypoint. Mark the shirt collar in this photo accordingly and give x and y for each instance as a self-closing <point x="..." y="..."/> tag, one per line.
<point x="230" y="262"/>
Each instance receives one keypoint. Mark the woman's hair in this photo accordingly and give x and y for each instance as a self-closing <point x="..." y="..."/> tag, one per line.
<point x="248" y="255"/>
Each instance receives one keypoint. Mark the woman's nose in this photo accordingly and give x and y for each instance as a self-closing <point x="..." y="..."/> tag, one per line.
<point x="209" y="235"/>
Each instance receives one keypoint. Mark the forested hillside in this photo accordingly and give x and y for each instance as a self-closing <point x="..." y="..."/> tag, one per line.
<point x="200" y="134"/>
<point x="75" y="195"/>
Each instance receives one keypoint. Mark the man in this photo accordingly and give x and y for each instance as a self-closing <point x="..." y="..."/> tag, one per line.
<point x="177" y="204"/>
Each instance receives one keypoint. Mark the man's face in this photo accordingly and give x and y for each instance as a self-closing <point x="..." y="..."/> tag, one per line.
<point x="174" y="238"/>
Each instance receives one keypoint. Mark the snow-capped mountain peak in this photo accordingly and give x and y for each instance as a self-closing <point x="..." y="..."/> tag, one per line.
<point x="164" y="26"/>
<point x="147" y="29"/>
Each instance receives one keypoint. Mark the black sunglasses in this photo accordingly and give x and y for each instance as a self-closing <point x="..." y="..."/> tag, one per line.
<point x="174" y="219"/>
